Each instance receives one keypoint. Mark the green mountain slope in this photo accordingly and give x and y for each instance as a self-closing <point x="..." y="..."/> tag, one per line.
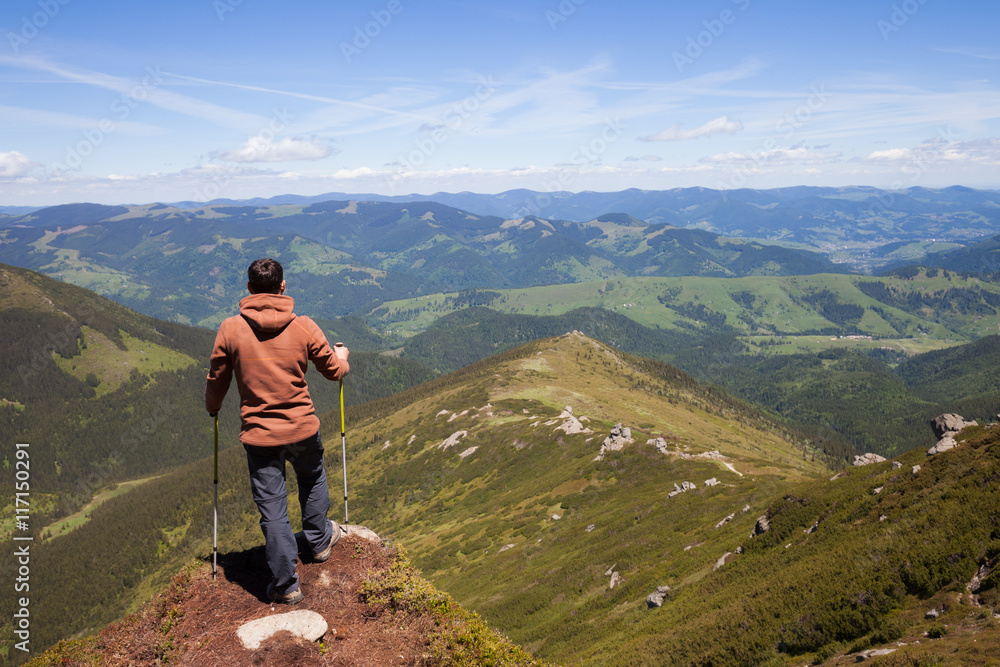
<point x="346" y="257"/>
<point x="510" y="512"/>
<point x="503" y="499"/>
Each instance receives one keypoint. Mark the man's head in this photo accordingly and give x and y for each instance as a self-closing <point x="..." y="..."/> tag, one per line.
<point x="265" y="276"/>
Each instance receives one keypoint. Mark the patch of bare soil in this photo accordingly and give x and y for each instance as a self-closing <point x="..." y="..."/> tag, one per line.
<point x="194" y="622"/>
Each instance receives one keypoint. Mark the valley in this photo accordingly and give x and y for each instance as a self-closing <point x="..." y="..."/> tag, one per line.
<point x="554" y="419"/>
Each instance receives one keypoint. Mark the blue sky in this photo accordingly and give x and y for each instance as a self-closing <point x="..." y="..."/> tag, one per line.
<point x="134" y="102"/>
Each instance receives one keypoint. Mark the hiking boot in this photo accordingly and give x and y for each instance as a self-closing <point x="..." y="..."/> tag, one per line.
<point x="294" y="597"/>
<point x="322" y="556"/>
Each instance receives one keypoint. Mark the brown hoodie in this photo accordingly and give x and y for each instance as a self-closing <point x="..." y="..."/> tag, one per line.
<point x="269" y="347"/>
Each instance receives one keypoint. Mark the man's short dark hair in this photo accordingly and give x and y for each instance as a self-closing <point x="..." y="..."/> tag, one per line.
<point x="265" y="276"/>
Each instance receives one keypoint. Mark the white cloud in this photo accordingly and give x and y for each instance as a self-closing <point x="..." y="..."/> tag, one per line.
<point x="981" y="152"/>
<point x="643" y="158"/>
<point x="263" y="148"/>
<point x="721" y="125"/>
<point x="14" y="164"/>
<point x="798" y="155"/>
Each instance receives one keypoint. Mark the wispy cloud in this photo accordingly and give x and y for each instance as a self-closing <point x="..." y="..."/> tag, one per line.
<point x="799" y="155"/>
<point x="981" y="152"/>
<point x="972" y="52"/>
<point x="147" y="89"/>
<point x="27" y="117"/>
<point x="720" y="125"/>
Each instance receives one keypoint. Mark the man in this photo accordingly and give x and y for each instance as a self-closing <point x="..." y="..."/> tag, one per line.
<point x="269" y="348"/>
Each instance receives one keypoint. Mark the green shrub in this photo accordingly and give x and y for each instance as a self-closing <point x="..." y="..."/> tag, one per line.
<point x="936" y="631"/>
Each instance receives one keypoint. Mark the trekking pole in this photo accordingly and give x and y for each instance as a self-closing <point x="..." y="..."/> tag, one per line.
<point x="343" y="448"/>
<point x="215" y="504"/>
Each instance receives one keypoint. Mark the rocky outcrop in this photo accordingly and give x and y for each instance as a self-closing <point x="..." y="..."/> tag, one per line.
<point x="616" y="577"/>
<point x="946" y="427"/>
<point x="762" y="526"/>
<point x="683" y="488"/>
<point x="874" y="653"/>
<point x="949" y="424"/>
<point x="453" y="439"/>
<point x="867" y="459"/>
<point x="711" y="482"/>
<point x="722" y="561"/>
<point x="620" y="436"/>
<point x="571" y="425"/>
<point x="301" y="623"/>
<point x="725" y="521"/>
<point x="656" y="598"/>
<point x="943" y="445"/>
<point x="660" y="444"/>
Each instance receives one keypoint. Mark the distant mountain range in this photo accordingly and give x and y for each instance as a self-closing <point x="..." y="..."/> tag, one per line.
<point x="864" y="226"/>
<point x="347" y="257"/>
<point x="860" y="218"/>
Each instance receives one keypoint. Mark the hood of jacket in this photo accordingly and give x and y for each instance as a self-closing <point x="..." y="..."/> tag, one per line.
<point x="267" y="312"/>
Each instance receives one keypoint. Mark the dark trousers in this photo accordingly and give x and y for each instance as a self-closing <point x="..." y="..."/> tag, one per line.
<point x="267" y="482"/>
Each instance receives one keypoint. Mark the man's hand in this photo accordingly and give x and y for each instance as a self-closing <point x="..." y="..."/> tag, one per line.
<point x="341" y="351"/>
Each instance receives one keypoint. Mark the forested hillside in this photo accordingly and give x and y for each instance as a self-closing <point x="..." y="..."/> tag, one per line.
<point x="347" y="257"/>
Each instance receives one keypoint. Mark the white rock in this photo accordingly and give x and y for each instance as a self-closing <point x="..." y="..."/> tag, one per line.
<point x="301" y="623"/>
<point x="468" y="452"/>
<point x="453" y="439"/>
<point x="505" y="547"/>
<point x="943" y="445"/>
<point x="711" y="482"/>
<point x="656" y="598"/>
<point x="361" y="532"/>
<point x="722" y="561"/>
<point x="868" y="459"/>
<point x="915" y="469"/>
<point x="872" y="653"/>
<point x="615" y="579"/>
<point x="590" y="528"/>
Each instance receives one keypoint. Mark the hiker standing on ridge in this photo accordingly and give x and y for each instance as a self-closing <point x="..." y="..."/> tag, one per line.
<point x="269" y="348"/>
